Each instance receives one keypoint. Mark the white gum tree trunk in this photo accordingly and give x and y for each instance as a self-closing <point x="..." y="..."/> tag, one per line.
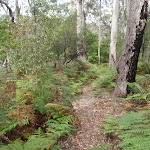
<point x="114" y="32"/>
<point x="99" y="34"/>
<point x="17" y="9"/>
<point x="81" y="50"/>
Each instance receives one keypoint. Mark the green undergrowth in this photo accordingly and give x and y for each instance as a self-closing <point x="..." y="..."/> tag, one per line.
<point x="139" y="90"/>
<point x="143" y="68"/>
<point x="34" y="115"/>
<point x="79" y="73"/>
<point x="103" y="146"/>
<point x="132" y="129"/>
<point x="106" y="80"/>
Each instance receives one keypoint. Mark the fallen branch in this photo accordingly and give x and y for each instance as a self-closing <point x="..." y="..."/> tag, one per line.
<point x="3" y="137"/>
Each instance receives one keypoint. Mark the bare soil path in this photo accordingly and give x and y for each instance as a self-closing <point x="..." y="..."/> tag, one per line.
<point x="93" y="111"/>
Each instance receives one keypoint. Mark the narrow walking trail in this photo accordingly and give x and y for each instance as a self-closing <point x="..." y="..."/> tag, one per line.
<point x="92" y="112"/>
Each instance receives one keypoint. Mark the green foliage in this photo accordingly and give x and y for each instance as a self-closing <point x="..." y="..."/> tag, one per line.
<point x="11" y="125"/>
<point x="137" y="90"/>
<point x="138" y="96"/>
<point x="133" y="130"/>
<point x="52" y="87"/>
<point x="39" y="140"/>
<point x="3" y="117"/>
<point x="16" y="145"/>
<point x="106" y="79"/>
<point x="110" y="126"/>
<point x="61" y="123"/>
<point x="59" y="126"/>
<point x="103" y="146"/>
<point x="143" y="66"/>
<point x="6" y="29"/>
<point x="80" y="73"/>
<point x="143" y="79"/>
<point x="92" y="48"/>
<point x="135" y="87"/>
<point x="50" y="96"/>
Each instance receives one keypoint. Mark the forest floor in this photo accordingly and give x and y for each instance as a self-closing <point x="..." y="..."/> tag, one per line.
<point x="92" y="112"/>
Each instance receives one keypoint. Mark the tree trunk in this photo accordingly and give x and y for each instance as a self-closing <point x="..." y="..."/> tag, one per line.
<point x="81" y="50"/>
<point x="99" y="34"/>
<point x="17" y="9"/>
<point x="35" y="33"/>
<point x="127" y="65"/>
<point x="114" y="31"/>
<point x="8" y="60"/>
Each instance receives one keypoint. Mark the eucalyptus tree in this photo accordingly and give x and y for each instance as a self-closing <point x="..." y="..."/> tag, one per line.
<point x="99" y="34"/>
<point x="17" y="9"/>
<point x="114" y="31"/>
<point x="127" y="65"/>
<point x="81" y="49"/>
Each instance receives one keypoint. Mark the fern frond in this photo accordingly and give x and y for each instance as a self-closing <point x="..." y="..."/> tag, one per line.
<point x="49" y="106"/>
<point x="133" y="129"/>
<point x="16" y="145"/>
<point x="135" y="87"/>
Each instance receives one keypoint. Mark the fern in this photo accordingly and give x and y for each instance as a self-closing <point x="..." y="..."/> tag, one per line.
<point x="56" y="147"/>
<point x="133" y="130"/>
<point x="11" y="124"/>
<point x="51" y="96"/>
<point x="106" y="80"/>
<point x="16" y="145"/>
<point x="110" y="126"/>
<point x="58" y="107"/>
<point x="59" y="129"/>
<point x="3" y="117"/>
<point x="103" y="146"/>
<point x="138" y="92"/>
<point x="26" y="84"/>
<point x="39" y="140"/>
<point x="143" y="79"/>
<point x="60" y="126"/>
<point x="76" y="86"/>
<point x="135" y="87"/>
<point x="138" y="96"/>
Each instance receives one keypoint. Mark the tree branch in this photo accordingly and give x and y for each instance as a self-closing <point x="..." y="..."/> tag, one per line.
<point x="10" y="11"/>
<point x="3" y="137"/>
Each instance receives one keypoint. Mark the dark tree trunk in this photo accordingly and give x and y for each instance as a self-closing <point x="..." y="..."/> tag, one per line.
<point x="127" y="65"/>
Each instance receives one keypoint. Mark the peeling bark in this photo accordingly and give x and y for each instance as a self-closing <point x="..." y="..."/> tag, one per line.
<point x="127" y="65"/>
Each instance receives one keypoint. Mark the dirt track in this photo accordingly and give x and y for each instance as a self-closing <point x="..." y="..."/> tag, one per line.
<point x="92" y="111"/>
